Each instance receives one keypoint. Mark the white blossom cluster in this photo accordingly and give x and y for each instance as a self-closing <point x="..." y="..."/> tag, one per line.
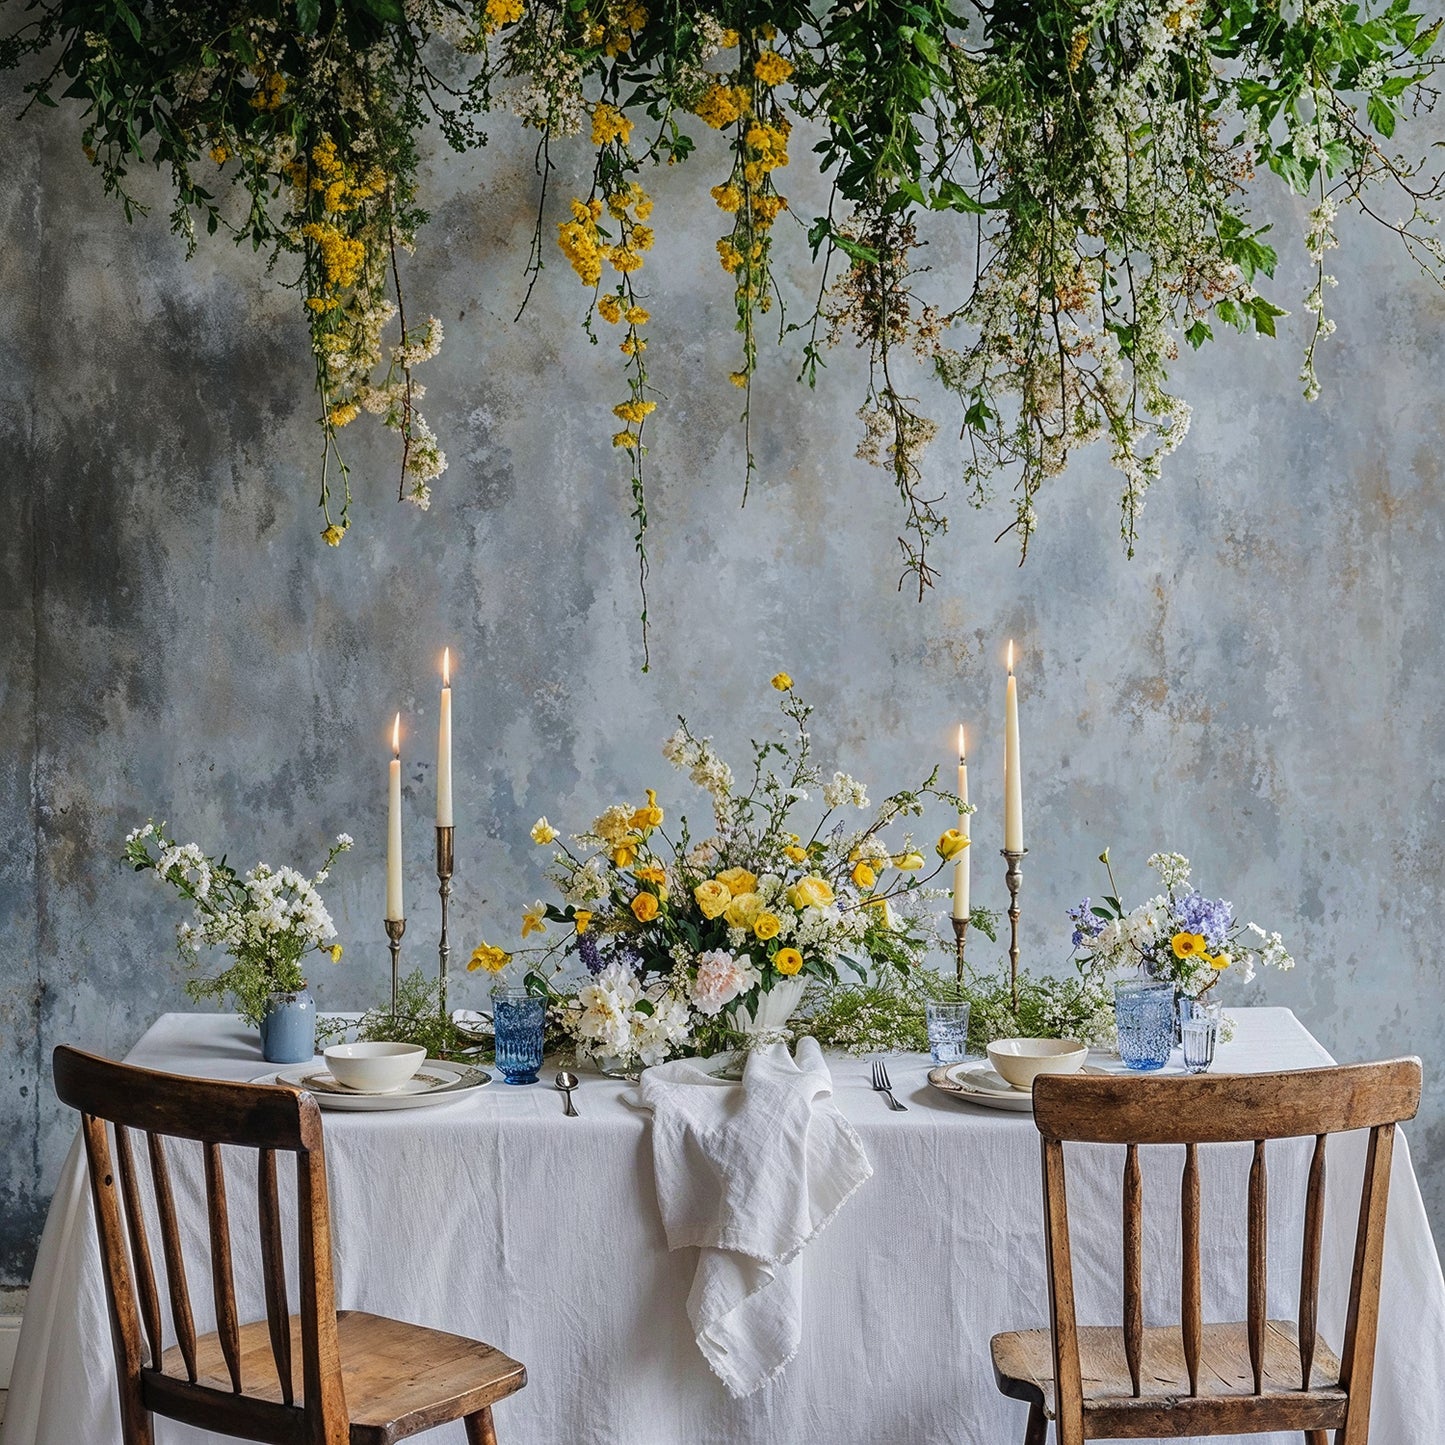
<point x="610" y="1025"/>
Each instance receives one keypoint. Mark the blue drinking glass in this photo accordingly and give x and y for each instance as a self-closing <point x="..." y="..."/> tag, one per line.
<point x="517" y="1019"/>
<point x="1144" y="1013"/>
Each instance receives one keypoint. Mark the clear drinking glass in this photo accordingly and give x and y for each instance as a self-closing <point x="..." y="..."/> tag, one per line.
<point x="947" y="1031"/>
<point x="517" y="1020"/>
<point x="1144" y="1013"/>
<point x="1200" y="1029"/>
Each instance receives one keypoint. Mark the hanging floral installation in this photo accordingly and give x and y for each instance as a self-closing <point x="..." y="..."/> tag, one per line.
<point x="1098" y="155"/>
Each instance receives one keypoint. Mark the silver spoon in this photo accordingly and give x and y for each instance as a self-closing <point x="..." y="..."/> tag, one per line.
<point x="567" y="1082"/>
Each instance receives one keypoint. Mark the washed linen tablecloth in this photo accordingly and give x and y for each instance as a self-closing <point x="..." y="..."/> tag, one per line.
<point x="500" y="1218"/>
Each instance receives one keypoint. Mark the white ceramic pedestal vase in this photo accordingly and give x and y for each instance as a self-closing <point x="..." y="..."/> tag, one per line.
<point x="773" y="1010"/>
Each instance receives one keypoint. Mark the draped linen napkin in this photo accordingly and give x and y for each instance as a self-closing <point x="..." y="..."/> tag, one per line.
<point x="748" y="1174"/>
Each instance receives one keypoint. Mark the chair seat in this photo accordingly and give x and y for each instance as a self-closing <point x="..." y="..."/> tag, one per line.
<point x="398" y="1378"/>
<point x="1023" y="1363"/>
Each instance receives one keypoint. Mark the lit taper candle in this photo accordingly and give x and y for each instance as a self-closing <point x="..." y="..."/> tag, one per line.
<point x="394" y="909"/>
<point x="961" y="867"/>
<point x="444" y="746"/>
<point x="1013" y="786"/>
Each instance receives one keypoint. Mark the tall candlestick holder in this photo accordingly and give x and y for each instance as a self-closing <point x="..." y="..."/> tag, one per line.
<point x="1014" y="877"/>
<point x="444" y="880"/>
<point x="395" y="927"/>
<point x="960" y="933"/>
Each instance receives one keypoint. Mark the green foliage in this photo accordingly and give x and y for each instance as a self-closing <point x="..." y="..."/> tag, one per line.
<point x="419" y="1019"/>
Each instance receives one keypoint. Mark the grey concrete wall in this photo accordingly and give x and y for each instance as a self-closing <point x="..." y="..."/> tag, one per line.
<point x="1261" y="688"/>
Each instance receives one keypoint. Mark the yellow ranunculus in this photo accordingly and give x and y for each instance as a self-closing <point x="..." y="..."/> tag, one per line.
<point x="863" y="875"/>
<point x="810" y="892"/>
<point x="1189" y="945"/>
<point x="742" y="910"/>
<point x="645" y="907"/>
<point x="788" y="961"/>
<point x="782" y="681"/>
<point x="335" y="952"/>
<point x="909" y="862"/>
<point x="951" y="843"/>
<point x="1218" y="961"/>
<point x="738" y="881"/>
<point x="581" y="919"/>
<point x="543" y="832"/>
<point x="489" y="957"/>
<point x="712" y="897"/>
<point x="795" y="853"/>
<point x="767" y="925"/>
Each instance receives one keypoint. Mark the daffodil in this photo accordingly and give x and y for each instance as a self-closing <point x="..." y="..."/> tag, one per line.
<point x="1189" y="945"/>
<point x="489" y="957"/>
<point x="533" y="919"/>
<point x="951" y="843"/>
<point x="581" y="919"/>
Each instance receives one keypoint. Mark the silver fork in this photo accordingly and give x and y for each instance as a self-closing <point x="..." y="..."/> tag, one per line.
<point x="882" y="1086"/>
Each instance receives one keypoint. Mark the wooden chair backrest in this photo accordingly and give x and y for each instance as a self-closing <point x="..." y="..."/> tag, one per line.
<point x="1223" y="1108"/>
<point x="262" y="1117"/>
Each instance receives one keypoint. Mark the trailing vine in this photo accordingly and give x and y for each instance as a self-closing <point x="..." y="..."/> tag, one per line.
<point x="1096" y="155"/>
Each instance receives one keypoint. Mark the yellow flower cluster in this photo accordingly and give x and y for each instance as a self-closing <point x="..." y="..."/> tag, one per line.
<point x="728" y="197"/>
<point x="609" y="124"/>
<point x="270" y="93"/>
<point x="768" y="149"/>
<point x="342" y="257"/>
<point x="634" y="411"/>
<point x="615" y="28"/>
<point x="581" y="243"/>
<point x="771" y="69"/>
<point x="503" y="12"/>
<point x="722" y="105"/>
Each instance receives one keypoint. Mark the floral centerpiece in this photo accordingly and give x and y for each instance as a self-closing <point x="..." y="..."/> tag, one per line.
<point x="688" y="944"/>
<point x="1178" y="936"/>
<point x="267" y="921"/>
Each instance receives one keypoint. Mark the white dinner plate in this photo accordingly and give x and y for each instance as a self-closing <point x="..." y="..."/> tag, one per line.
<point x="436" y="1082"/>
<point x="975" y="1082"/>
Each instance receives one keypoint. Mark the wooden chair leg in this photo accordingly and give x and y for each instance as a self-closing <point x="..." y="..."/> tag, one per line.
<point x="1038" y="1430"/>
<point x="480" y="1430"/>
<point x="1317" y="1437"/>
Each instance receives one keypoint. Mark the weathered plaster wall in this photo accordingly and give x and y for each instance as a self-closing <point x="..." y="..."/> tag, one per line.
<point x="1261" y="687"/>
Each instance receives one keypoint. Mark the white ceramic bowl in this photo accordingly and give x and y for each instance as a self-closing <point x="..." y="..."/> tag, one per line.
<point x="1020" y="1061"/>
<point x="374" y="1068"/>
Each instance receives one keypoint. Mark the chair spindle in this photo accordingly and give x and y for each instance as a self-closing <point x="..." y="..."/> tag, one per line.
<point x="1309" y="1269"/>
<point x="273" y="1270"/>
<point x="1191" y="1318"/>
<point x="150" y="1305"/>
<point x="1258" y="1263"/>
<point x="223" y="1286"/>
<point x="1133" y="1264"/>
<point x="171" y="1249"/>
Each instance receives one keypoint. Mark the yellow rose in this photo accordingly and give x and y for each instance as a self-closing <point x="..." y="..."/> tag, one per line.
<point x="810" y="892"/>
<point x="788" y="961"/>
<point x="581" y="919"/>
<point x="738" y="881"/>
<point x="797" y="854"/>
<point x="951" y="843"/>
<point x="741" y="912"/>
<point x="782" y="681"/>
<point x="644" y="907"/>
<point x="863" y="875"/>
<point x="650" y="816"/>
<point x="767" y="925"/>
<point x="909" y="862"/>
<point x="712" y="897"/>
<point x="1189" y="945"/>
<point x="486" y="956"/>
<point x="543" y="832"/>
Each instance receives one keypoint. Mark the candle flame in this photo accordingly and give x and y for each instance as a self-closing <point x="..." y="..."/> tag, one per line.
<point x="1010" y="656"/>
<point x="396" y="736"/>
<point x="446" y="667"/>
<point x="962" y="754"/>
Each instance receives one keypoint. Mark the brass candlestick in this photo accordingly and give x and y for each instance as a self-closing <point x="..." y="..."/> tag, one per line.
<point x="960" y="932"/>
<point x="444" y="878"/>
<point x="395" y="927"/>
<point x="1014" y="877"/>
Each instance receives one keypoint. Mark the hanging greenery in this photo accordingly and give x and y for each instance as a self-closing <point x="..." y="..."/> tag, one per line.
<point x="1096" y="153"/>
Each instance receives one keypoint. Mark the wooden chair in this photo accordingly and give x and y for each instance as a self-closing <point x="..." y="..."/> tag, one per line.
<point x="364" y="1380"/>
<point x="1098" y="1382"/>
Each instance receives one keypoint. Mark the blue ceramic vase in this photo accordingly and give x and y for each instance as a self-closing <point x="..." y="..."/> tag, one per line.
<point x="288" y="1028"/>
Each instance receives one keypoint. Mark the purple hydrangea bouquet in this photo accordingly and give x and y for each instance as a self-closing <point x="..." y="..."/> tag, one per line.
<point x="1179" y="936"/>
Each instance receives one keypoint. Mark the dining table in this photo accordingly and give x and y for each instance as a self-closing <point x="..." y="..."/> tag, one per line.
<point x="497" y="1216"/>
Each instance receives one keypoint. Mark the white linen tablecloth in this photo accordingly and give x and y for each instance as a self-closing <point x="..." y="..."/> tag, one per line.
<point x="498" y="1217"/>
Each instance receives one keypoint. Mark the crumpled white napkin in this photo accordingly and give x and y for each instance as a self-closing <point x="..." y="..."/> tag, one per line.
<point x="749" y="1173"/>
